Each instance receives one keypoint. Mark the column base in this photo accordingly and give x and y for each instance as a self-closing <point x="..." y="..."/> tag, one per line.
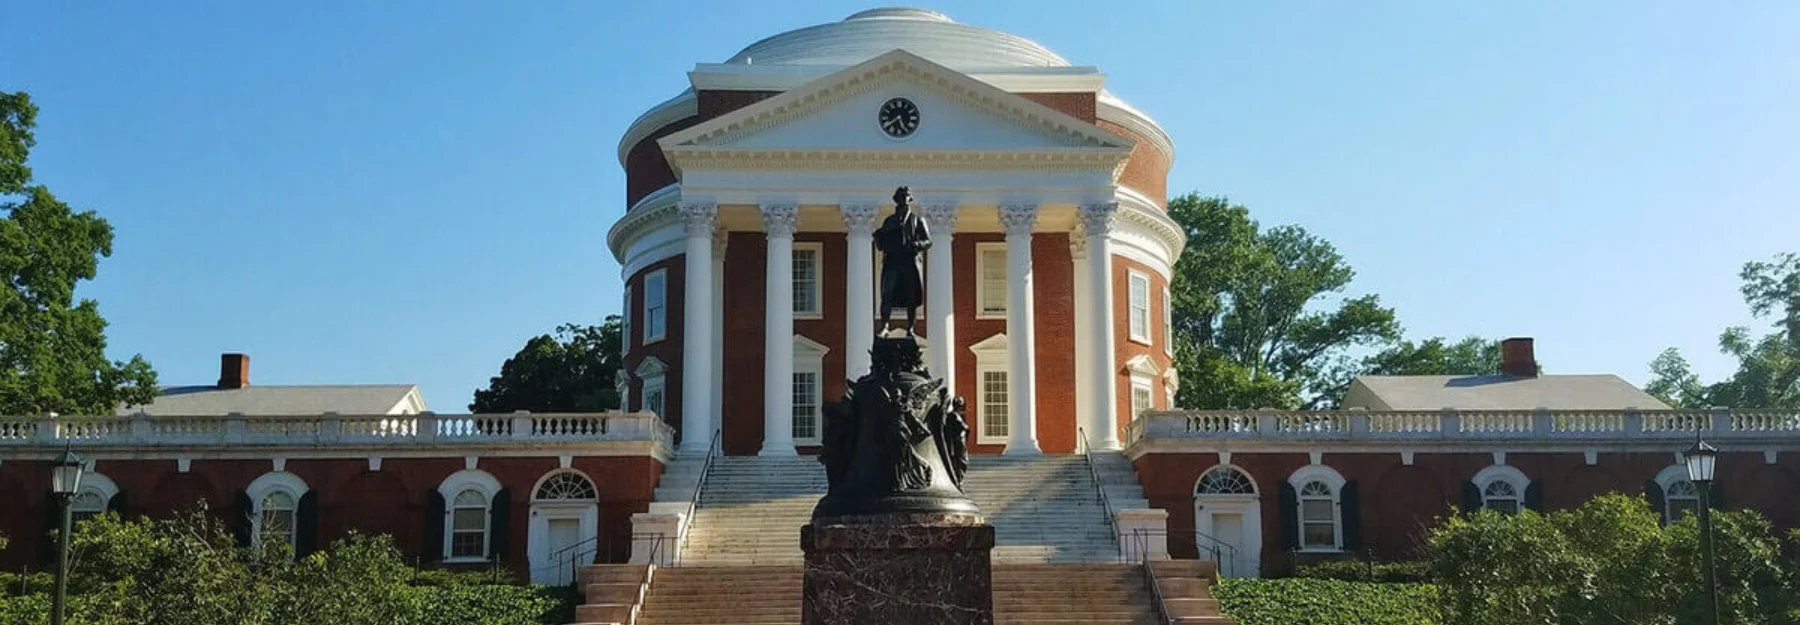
<point x="778" y="451"/>
<point x="1025" y="449"/>
<point x="902" y="569"/>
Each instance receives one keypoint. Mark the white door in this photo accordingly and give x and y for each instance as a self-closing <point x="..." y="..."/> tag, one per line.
<point x="1229" y="529"/>
<point x="564" y="533"/>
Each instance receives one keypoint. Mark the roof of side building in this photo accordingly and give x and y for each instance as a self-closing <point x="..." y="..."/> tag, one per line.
<point x="283" y="400"/>
<point x="1498" y="392"/>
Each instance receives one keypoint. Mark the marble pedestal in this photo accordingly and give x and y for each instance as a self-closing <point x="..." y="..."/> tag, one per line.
<point x="898" y="569"/>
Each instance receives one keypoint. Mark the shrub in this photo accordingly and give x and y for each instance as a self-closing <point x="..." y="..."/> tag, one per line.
<point x="1326" y="602"/>
<point x="1366" y="571"/>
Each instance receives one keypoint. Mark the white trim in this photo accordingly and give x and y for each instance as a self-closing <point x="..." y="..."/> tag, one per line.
<point x="1168" y="320"/>
<point x="585" y="512"/>
<point x="468" y="479"/>
<point x="1332" y="480"/>
<point x="650" y="319"/>
<point x="1512" y="476"/>
<point x="625" y="328"/>
<point x="539" y="484"/>
<point x="982" y="249"/>
<point x="1137" y="334"/>
<point x="656" y="212"/>
<point x="1667" y="479"/>
<point x="817" y="250"/>
<point x="991" y="356"/>
<point x="684" y="105"/>
<point x="268" y="484"/>
<point x="1247" y="506"/>
<point x="97" y="484"/>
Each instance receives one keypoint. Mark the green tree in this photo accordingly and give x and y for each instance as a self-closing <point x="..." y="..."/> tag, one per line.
<point x="572" y="371"/>
<point x="1768" y="372"/>
<point x="1259" y="314"/>
<point x="52" y="347"/>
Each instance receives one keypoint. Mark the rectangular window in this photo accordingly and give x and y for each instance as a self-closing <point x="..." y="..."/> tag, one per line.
<point x="1319" y="528"/>
<point x="806" y="407"/>
<point x="993" y="407"/>
<point x="1168" y="325"/>
<point x="468" y="534"/>
<point x="656" y="310"/>
<point x="806" y="279"/>
<point x="653" y="396"/>
<point x="625" y="324"/>
<point x="990" y="263"/>
<point x="1140" y="307"/>
<point x="1140" y="399"/>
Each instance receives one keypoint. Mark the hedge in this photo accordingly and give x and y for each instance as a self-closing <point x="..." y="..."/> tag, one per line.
<point x="1326" y="602"/>
<point x="1366" y="571"/>
<point x="422" y="605"/>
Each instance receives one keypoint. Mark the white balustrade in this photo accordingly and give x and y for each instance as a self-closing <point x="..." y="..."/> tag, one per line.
<point x="1405" y="422"/>
<point x="331" y="429"/>
<point x="1574" y="425"/>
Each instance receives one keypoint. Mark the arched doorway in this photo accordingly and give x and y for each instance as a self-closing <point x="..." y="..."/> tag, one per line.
<point x="564" y="526"/>
<point x="1228" y="520"/>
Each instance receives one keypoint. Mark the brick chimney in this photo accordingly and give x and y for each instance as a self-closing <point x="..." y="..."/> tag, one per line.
<point x="234" y="371"/>
<point x="1518" y="358"/>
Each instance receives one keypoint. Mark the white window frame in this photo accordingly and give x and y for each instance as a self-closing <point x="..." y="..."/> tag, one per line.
<point x="1141" y="385"/>
<point x="809" y="358"/>
<point x="1666" y="480"/>
<point x="625" y="324"/>
<point x="268" y="484"/>
<point x="1142" y="373"/>
<point x="982" y="304"/>
<point x="991" y="357"/>
<point x="468" y="479"/>
<point x="655" y="377"/>
<point x="656" y="306"/>
<point x="1511" y="476"/>
<point x="1171" y="386"/>
<point x="816" y="250"/>
<point x="452" y="504"/>
<point x="1137" y="318"/>
<point x="100" y="487"/>
<point x="1168" y="313"/>
<point x="1333" y="481"/>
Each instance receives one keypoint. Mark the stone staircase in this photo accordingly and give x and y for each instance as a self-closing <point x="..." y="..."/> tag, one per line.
<point x="1024" y="594"/>
<point x="611" y="593"/>
<point x="1043" y="508"/>
<point x="1186" y="588"/>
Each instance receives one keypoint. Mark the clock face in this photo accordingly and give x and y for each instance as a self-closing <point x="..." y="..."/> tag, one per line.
<point x="899" y="118"/>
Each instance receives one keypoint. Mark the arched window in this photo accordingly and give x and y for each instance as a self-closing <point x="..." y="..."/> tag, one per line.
<point x="566" y="486"/>
<point x="275" y="498"/>
<point x="1502" y="488"/>
<point x="469" y="509"/>
<point x="96" y="495"/>
<point x="469" y="525"/>
<point x="1225" y="481"/>
<point x="1681" y="498"/>
<point x="1319" y="518"/>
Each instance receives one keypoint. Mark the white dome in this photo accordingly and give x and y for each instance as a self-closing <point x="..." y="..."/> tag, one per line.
<point x="874" y="32"/>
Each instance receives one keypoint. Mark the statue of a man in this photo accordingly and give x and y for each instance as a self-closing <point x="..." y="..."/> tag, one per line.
<point x="902" y="238"/>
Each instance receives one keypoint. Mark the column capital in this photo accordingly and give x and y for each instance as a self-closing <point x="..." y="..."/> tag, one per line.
<point x="779" y="220"/>
<point x="1099" y="218"/>
<point x="720" y="237"/>
<point x="699" y="217"/>
<point x="1078" y="242"/>
<point x="1018" y="218"/>
<point x="940" y="217"/>
<point x="859" y="217"/>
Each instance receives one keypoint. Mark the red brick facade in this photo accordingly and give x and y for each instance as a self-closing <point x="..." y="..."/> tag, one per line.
<point x="351" y="497"/>
<point x="668" y="349"/>
<point x="1125" y="349"/>
<point x="1397" y="502"/>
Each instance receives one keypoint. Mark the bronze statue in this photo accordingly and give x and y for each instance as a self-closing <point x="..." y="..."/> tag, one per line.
<point x="896" y="442"/>
<point x="901" y="238"/>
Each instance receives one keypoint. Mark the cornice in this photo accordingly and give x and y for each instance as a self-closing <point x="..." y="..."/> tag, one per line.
<point x="1045" y="159"/>
<point x="879" y="70"/>
<point x="682" y="106"/>
<point x="1112" y="109"/>
<point x="1139" y="209"/>
<point x="657" y="209"/>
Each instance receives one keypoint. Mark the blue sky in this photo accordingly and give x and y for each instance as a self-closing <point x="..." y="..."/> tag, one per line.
<point x="379" y="192"/>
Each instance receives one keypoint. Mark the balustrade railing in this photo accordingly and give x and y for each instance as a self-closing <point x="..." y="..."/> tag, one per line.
<point x="1720" y="424"/>
<point x="427" y="428"/>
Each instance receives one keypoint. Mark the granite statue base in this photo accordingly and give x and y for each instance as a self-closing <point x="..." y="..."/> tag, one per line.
<point x="898" y="569"/>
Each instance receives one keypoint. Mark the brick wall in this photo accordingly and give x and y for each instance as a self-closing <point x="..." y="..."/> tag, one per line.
<point x="669" y="348"/>
<point x="1125" y="349"/>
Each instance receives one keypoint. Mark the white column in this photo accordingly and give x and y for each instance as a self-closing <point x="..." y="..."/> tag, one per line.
<point x="718" y="317"/>
<point x="1021" y="377"/>
<point x="859" y="301"/>
<point x="940" y="298"/>
<point x="1098" y="220"/>
<point x="1084" y="340"/>
<point x="697" y="385"/>
<point x="778" y="332"/>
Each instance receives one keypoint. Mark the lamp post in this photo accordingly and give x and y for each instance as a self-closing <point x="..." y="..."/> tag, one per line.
<point x="65" y="481"/>
<point x="1701" y="459"/>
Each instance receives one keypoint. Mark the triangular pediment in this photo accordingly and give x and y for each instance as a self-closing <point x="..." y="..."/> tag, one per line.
<point x="838" y="114"/>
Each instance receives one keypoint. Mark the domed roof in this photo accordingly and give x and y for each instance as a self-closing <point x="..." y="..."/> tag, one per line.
<point x="871" y="33"/>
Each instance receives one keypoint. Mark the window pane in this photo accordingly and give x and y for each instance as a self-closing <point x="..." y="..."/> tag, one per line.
<point x="806" y="281"/>
<point x="469" y="519"/>
<point x="1316" y="510"/>
<point x="1140" y="307"/>
<point x="1169" y="325"/>
<point x="277" y="526"/>
<point x="1503" y="506"/>
<point x="993" y="403"/>
<point x="653" y="401"/>
<point x="1140" y="400"/>
<point x="471" y="498"/>
<point x="654" y="291"/>
<point x="806" y="409"/>
<point x="993" y="281"/>
<point x="88" y="502"/>
<point x="1320" y="535"/>
<point x="468" y="545"/>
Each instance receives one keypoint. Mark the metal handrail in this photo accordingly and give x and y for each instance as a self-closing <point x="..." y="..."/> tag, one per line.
<point x="1143" y="548"/>
<point x="1087" y="456"/>
<point x="712" y="450"/>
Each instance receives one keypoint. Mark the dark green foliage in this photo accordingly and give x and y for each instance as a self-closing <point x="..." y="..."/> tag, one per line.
<point x="1366" y="571"/>
<point x="1609" y="561"/>
<point x="52" y="346"/>
<point x="1295" y="601"/>
<point x="190" y="571"/>
<point x="572" y="371"/>
<point x="1768" y="373"/>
